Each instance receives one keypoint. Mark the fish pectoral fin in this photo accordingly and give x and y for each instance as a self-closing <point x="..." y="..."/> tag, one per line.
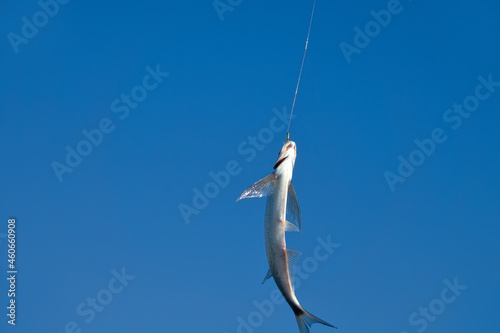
<point x="290" y="226"/>
<point x="260" y="189"/>
<point x="293" y="261"/>
<point x="268" y="275"/>
<point x="293" y="208"/>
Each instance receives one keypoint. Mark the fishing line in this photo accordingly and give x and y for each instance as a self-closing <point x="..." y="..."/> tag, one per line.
<point x="300" y="73"/>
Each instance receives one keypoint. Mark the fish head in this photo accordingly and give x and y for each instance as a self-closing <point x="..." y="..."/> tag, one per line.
<point x="287" y="155"/>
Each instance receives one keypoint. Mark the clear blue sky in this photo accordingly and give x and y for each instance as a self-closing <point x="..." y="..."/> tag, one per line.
<point x="399" y="234"/>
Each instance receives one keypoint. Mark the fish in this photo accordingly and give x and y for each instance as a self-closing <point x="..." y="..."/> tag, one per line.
<point x="281" y="203"/>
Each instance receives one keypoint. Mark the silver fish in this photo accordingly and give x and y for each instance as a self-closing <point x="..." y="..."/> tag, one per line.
<point x="282" y="202"/>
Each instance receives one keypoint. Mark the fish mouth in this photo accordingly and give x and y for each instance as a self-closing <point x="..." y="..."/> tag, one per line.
<point x="280" y="161"/>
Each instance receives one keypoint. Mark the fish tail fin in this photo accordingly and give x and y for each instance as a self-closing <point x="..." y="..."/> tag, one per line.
<point x="305" y="320"/>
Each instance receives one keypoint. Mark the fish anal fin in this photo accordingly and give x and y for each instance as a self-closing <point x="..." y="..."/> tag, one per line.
<point x="293" y="261"/>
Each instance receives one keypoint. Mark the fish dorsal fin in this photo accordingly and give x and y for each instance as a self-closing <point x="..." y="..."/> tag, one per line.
<point x="293" y="208"/>
<point x="293" y="261"/>
<point x="268" y="275"/>
<point x="262" y="188"/>
<point x="290" y="226"/>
